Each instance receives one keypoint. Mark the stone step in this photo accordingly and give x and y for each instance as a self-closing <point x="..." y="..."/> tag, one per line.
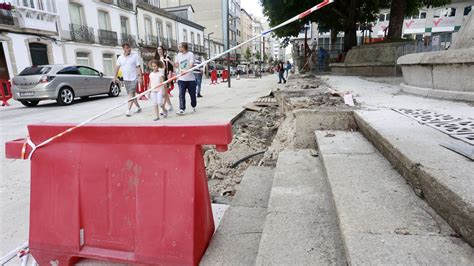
<point x="238" y="236"/>
<point x="381" y="219"/>
<point x="443" y="178"/>
<point x="301" y="226"/>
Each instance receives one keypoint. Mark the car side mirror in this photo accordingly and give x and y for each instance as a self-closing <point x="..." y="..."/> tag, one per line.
<point x="101" y="74"/>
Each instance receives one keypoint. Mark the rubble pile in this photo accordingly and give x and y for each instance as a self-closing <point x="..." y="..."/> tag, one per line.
<point x="253" y="133"/>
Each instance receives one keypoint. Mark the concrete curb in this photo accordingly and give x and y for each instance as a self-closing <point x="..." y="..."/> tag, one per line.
<point x="439" y="94"/>
<point x="430" y="183"/>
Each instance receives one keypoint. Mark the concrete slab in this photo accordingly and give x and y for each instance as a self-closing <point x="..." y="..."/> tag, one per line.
<point x="299" y="185"/>
<point x="301" y="227"/>
<point x="254" y="190"/>
<point x="374" y="204"/>
<point x="342" y="142"/>
<point x="300" y="239"/>
<point x="392" y="249"/>
<point x="238" y="237"/>
<point x="441" y="176"/>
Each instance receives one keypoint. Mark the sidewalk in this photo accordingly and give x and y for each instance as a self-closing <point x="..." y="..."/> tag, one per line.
<point x="383" y="95"/>
<point x="219" y="103"/>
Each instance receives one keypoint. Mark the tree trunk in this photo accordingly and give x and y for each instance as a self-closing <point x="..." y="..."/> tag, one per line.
<point x="350" y="31"/>
<point x="333" y="39"/>
<point x="397" y="15"/>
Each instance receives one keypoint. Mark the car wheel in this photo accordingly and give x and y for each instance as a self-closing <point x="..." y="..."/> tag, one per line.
<point x="65" y="96"/>
<point x="114" y="90"/>
<point x="29" y="103"/>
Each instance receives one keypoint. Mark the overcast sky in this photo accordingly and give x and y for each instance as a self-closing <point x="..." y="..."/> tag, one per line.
<point x="253" y="7"/>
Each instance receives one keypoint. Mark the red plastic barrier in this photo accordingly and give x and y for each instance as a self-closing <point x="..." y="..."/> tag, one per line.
<point x="225" y="75"/>
<point x="214" y="77"/>
<point x="135" y="194"/>
<point x="144" y="85"/>
<point x="5" y="92"/>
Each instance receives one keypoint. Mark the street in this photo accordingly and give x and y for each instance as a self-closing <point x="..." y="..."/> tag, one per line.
<point x="219" y="103"/>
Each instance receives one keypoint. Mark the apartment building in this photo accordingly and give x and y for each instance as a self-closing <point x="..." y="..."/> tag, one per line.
<point x="28" y="35"/>
<point x="246" y="29"/>
<point x="91" y="35"/>
<point x="212" y="15"/>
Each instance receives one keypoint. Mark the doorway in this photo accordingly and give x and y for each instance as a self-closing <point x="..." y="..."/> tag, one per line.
<point x="39" y="54"/>
<point x="3" y="64"/>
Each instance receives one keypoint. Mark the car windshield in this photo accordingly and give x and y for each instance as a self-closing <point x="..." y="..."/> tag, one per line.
<point x="36" y="70"/>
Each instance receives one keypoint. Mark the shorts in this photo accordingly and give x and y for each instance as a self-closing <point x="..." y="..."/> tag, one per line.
<point x="157" y="97"/>
<point x="130" y="86"/>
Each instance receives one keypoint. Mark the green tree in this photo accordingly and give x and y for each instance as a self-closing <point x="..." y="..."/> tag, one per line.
<point x="271" y="60"/>
<point x="265" y="57"/>
<point x="258" y="55"/>
<point x="342" y="15"/>
<point x="248" y="55"/>
<point x="400" y="8"/>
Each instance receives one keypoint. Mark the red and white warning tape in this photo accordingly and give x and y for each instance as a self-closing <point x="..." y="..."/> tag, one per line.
<point x="298" y="17"/>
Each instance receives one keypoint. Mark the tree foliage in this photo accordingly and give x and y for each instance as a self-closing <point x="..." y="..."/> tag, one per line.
<point x="340" y="16"/>
<point x="248" y="54"/>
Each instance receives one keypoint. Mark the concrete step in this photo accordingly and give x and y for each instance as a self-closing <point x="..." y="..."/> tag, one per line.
<point x="443" y="178"/>
<point x="301" y="226"/>
<point x="238" y="236"/>
<point x="381" y="219"/>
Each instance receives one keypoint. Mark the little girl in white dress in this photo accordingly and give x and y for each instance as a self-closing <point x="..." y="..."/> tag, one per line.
<point x="156" y="78"/>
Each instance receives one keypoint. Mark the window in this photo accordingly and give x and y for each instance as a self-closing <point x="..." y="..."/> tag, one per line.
<point x="76" y="14"/>
<point x="450" y="12"/>
<point x="124" y="25"/>
<point x="169" y="31"/>
<point x="159" y="28"/>
<point x="437" y="13"/>
<point x="423" y="15"/>
<point x="382" y="17"/>
<point x="185" y="35"/>
<point x="467" y="10"/>
<point x="387" y="17"/>
<point x="192" y="38"/>
<point x="29" y="3"/>
<point x="87" y="71"/>
<point x="104" y="23"/>
<point x="108" y="64"/>
<point x="199" y="39"/>
<point x="72" y="70"/>
<point x="82" y="58"/>
<point x="148" y="31"/>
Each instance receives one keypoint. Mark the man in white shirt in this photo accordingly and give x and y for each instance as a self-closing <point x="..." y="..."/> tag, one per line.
<point x="132" y="74"/>
<point x="183" y="62"/>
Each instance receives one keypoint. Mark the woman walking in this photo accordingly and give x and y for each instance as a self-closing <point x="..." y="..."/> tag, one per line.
<point x="281" y="72"/>
<point x="162" y="56"/>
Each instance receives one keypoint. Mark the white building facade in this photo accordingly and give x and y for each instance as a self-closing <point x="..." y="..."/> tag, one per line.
<point x="28" y="36"/>
<point x="93" y="31"/>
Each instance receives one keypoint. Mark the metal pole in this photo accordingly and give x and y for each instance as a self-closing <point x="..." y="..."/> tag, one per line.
<point x="228" y="46"/>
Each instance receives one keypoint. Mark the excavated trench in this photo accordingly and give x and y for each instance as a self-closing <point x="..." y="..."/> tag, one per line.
<point x="304" y="105"/>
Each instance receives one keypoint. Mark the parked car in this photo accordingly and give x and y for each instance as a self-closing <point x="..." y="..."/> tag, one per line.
<point x="62" y="83"/>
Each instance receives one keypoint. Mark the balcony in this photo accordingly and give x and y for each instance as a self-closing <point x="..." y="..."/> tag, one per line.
<point x="36" y="19"/>
<point x="173" y="45"/>
<point x="164" y="42"/>
<point x="107" y="37"/>
<point x="151" y="40"/>
<point x="6" y="16"/>
<point x="80" y="33"/>
<point x="125" y="4"/>
<point x="130" y="39"/>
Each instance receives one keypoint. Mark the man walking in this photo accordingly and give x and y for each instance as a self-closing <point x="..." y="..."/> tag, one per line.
<point x="129" y="64"/>
<point x="198" y="72"/>
<point x="187" y="82"/>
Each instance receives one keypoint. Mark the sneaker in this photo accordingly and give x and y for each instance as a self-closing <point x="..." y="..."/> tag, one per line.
<point x="139" y="110"/>
<point x="165" y="114"/>
<point x="127" y="114"/>
<point x="180" y="112"/>
<point x="194" y="109"/>
<point x="156" y="119"/>
<point x="199" y="96"/>
<point x="170" y="109"/>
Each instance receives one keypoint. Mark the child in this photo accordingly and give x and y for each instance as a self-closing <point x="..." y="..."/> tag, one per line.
<point x="156" y="78"/>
